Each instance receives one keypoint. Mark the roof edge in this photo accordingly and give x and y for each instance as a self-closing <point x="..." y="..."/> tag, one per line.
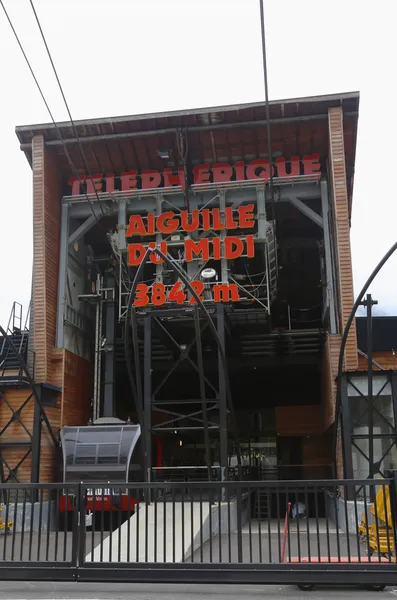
<point x="158" y="115"/>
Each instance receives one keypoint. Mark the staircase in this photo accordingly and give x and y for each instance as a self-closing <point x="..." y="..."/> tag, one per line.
<point x="11" y="372"/>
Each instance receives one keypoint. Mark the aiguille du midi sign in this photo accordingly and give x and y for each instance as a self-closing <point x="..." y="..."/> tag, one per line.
<point x="230" y="247"/>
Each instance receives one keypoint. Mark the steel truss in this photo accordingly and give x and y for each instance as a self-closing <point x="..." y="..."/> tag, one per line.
<point x="34" y="393"/>
<point x="180" y="413"/>
<point x="355" y="389"/>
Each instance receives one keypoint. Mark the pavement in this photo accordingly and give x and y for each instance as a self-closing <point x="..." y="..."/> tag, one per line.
<point x="82" y="591"/>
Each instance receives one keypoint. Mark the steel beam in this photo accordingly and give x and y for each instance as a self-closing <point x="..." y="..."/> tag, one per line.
<point x="261" y="210"/>
<point x="330" y="284"/>
<point x="306" y="210"/>
<point x="63" y="268"/>
<point x="346" y="424"/>
<point x="108" y="386"/>
<point x="197" y="329"/>
<point x="122" y="222"/>
<point x="82" y="229"/>
<point x="147" y="387"/>
<point x="36" y="442"/>
<point x="222" y="395"/>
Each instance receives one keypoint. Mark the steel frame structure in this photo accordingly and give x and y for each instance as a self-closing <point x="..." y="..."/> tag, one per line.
<point x="34" y="393"/>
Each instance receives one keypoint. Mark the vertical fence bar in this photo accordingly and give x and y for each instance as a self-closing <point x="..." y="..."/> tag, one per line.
<point x="129" y="499"/>
<point x="155" y="525"/>
<point x="173" y="525"/>
<point x="366" y="524"/>
<point x="14" y="525"/>
<point x="102" y="523"/>
<point x="147" y="496"/>
<point x="307" y="524"/>
<point x="65" y="524"/>
<point x="317" y="523"/>
<point x="138" y="508"/>
<point x="268" y="518"/>
<point x="31" y="528"/>
<point x="191" y="526"/>
<point x="258" y="490"/>
<point x="387" y="521"/>
<point x="164" y="527"/>
<point x="40" y="498"/>
<point x="288" y="529"/>
<point x="278" y="515"/>
<point x="119" y="525"/>
<point x="298" y="527"/>
<point x="229" y="540"/>
<point x="6" y="520"/>
<point x="373" y="495"/>
<point x="57" y="523"/>
<point x="201" y="524"/>
<point x="346" y="496"/>
<point x="337" y="524"/>
<point x="183" y="522"/>
<point x="210" y="503"/>
<point x="220" y="524"/>
<point x="49" y="519"/>
<point x="356" y="521"/>
<point x="327" y="525"/>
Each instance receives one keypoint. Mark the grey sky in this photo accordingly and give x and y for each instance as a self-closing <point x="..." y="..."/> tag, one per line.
<point x="126" y="57"/>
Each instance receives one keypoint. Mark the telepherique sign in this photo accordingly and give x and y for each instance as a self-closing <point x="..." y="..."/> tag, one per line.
<point x="207" y="173"/>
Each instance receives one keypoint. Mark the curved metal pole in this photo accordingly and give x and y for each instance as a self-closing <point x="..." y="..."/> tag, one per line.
<point x="32" y="385"/>
<point x="357" y="303"/>
<point x="185" y="280"/>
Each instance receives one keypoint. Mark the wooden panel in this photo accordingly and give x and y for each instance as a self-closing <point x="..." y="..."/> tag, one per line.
<point x="342" y="229"/>
<point x="77" y="390"/>
<point x="329" y="374"/>
<point x="316" y="457"/>
<point x="46" y="231"/>
<point x="19" y="430"/>
<point x="385" y="359"/>
<point x="299" y="420"/>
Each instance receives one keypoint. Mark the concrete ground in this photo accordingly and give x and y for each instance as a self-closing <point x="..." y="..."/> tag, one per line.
<point x="82" y="591"/>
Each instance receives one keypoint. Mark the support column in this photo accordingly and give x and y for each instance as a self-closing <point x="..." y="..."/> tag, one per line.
<point x="147" y="386"/>
<point x="222" y="206"/>
<point x="328" y="258"/>
<point x="346" y="424"/>
<point x="110" y="310"/>
<point x="342" y="229"/>
<point x="261" y="210"/>
<point x="122" y="219"/>
<point x="63" y="269"/>
<point x="222" y="395"/>
<point x="159" y="237"/>
<point x="36" y="441"/>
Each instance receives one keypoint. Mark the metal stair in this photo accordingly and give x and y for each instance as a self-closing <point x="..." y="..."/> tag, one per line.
<point x="11" y="372"/>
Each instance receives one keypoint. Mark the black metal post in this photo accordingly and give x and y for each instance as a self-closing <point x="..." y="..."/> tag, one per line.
<point x="346" y="430"/>
<point x="108" y="386"/>
<point x="368" y="303"/>
<point x="222" y="395"/>
<point x="147" y="384"/>
<point x="202" y="391"/>
<point x="393" y="382"/>
<point x="36" y="442"/>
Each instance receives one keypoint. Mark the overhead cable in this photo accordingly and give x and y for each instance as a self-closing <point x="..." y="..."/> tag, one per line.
<point x="69" y="159"/>
<point x="83" y="156"/>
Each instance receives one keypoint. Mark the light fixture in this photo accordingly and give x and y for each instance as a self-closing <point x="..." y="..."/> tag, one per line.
<point x="163" y="154"/>
<point x="208" y="273"/>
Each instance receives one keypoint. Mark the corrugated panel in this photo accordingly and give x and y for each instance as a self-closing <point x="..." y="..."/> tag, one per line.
<point x="342" y="227"/>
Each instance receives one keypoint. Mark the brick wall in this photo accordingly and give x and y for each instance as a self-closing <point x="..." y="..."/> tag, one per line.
<point x="340" y="205"/>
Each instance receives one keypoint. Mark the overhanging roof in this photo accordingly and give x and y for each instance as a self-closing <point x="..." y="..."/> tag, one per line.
<point x="225" y="133"/>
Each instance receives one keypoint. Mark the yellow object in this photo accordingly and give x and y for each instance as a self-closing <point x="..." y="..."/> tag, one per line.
<point x="2" y="524"/>
<point x="378" y="534"/>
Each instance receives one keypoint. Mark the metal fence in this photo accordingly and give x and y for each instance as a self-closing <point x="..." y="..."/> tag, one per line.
<point x="202" y="532"/>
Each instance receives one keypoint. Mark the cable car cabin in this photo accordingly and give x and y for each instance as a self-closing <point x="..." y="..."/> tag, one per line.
<point x="105" y="454"/>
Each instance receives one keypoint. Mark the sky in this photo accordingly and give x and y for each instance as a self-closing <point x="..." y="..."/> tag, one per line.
<point x="138" y="56"/>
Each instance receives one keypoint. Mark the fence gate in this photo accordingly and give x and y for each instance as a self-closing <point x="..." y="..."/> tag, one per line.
<point x="299" y="532"/>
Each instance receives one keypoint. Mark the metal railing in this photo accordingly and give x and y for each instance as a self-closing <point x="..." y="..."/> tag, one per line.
<point x="224" y="532"/>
